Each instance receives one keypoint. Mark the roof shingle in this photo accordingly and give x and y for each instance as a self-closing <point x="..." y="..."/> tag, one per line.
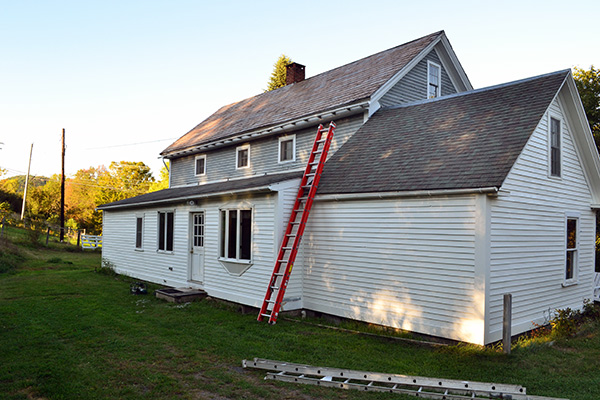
<point x="332" y="89"/>
<point x="464" y="141"/>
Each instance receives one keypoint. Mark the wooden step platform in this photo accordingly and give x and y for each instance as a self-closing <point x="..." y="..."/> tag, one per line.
<point x="180" y="295"/>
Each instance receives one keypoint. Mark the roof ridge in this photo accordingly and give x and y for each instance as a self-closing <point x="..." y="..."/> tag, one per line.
<point x="438" y="33"/>
<point x="480" y="90"/>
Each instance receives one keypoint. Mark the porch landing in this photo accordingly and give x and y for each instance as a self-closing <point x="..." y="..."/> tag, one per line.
<point x="180" y="295"/>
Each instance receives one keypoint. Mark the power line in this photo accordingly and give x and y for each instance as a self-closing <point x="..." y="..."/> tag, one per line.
<point x="129" y="144"/>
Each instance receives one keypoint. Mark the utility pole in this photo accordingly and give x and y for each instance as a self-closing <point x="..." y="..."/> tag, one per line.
<point x="26" y="183"/>
<point x="62" y="189"/>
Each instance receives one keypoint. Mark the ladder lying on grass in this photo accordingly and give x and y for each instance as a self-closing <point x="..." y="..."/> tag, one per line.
<point x="295" y="228"/>
<point x="418" y="386"/>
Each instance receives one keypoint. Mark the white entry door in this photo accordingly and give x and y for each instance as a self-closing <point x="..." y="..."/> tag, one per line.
<point x="197" y="247"/>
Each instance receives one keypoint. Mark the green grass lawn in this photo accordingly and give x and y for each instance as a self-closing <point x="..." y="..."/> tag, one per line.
<point x="69" y="332"/>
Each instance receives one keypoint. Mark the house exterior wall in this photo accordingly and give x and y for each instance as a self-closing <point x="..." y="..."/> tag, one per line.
<point x="527" y="251"/>
<point x="172" y="269"/>
<point x="413" y="86"/>
<point x="407" y="263"/>
<point x="264" y="155"/>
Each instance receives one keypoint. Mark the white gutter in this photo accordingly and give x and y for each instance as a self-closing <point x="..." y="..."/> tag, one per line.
<point x="281" y="128"/>
<point x="266" y="188"/>
<point x="415" y="193"/>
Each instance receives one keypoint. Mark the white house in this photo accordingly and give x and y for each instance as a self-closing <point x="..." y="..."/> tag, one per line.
<point x="436" y="200"/>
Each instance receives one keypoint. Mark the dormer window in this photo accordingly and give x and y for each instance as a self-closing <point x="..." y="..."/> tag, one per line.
<point x="555" y="140"/>
<point x="287" y="148"/>
<point x="434" y="79"/>
<point x="242" y="157"/>
<point x="200" y="165"/>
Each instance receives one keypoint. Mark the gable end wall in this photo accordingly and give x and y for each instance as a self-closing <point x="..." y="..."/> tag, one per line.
<point x="413" y="86"/>
<point x="527" y="256"/>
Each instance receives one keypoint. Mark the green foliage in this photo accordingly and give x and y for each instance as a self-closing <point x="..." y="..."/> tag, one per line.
<point x="588" y="85"/>
<point x="163" y="182"/>
<point x="279" y="74"/>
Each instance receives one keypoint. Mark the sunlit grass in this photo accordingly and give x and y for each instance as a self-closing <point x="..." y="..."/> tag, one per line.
<point x="68" y="332"/>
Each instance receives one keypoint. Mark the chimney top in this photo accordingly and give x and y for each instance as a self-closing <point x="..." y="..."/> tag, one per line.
<point x="294" y="73"/>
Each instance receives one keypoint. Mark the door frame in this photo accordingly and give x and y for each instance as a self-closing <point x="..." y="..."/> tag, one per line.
<point x="191" y="246"/>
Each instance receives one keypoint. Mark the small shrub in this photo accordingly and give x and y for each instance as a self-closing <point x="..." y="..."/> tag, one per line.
<point x="107" y="268"/>
<point x="10" y="256"/>
<point x="564" y="322"/>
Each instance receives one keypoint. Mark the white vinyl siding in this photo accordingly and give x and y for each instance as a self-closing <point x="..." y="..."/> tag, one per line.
<point x="172" y="268"/>
<point x="412" y="86"/>
<point x="528" y="234"/>
<point x="406" y="263"/>
<point x="264" y="156"/>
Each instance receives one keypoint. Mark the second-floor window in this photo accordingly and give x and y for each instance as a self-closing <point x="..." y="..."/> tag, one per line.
<point x="200" y="165"/>
<point x="555" y="147"/>
<point x="242" y="157"/>
<point x="434" y="78"/>
<point x="287" y="148"/>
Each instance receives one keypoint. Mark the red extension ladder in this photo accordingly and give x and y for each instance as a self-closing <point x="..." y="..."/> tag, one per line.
<point x="295" y="228"/>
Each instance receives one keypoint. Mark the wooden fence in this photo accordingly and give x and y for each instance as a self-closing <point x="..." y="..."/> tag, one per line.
<point x="91" y="242"/>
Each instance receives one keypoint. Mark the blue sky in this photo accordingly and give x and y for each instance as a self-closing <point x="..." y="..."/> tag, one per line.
<point x="126" y="78"/>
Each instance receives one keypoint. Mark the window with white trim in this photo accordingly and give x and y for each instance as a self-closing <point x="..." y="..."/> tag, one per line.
<point x="242" y="157"/>
<point x="434" y="80"/>
<point x="139" y="233"/>
<point x="287" y="148"/>
<point x="572" y="247"/>
<point x="200" y="165"/>
<point x="165" y="230"/>
<point x="236" y="234"/>
<point x="555" y="146"/>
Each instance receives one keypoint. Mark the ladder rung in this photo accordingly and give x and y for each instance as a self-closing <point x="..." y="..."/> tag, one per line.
<point x="266" y="315"/>
<point x="282" y="261"/>
<point x="314" y="162"/>
<point x="321" y="140"/>
<point x="270" y="301"/>
<point x="287" y="248"/>
<point x="317" y="151"/>
<point x="275" y="287"/>
<point x="291" y="235"/>
<point x="311" y="174"/>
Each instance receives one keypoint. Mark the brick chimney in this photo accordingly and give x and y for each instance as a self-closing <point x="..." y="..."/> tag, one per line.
<point x="294" y="73"/>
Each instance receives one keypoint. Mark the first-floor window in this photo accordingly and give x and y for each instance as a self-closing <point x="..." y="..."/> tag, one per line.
<point x="236" y="234"/>
<point x="165" y="230"/>
<point x="572" y="246"/>
<point x="139" y="232"/>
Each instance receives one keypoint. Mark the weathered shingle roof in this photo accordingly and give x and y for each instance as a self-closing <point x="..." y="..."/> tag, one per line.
<point x="179" y="194"/>
<point x="330" y="90"/>
<point x="463" y="141"/>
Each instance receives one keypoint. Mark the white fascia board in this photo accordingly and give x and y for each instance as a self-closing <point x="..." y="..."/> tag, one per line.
<point x="453" y="66"/>
<point x="449" y="62"/>
<point x="291" y="125"/>
<point x="582" y="135"/>
<point x="492" y="190"/>
<point x="379" y="93"/>
<point x="260" y="189"/>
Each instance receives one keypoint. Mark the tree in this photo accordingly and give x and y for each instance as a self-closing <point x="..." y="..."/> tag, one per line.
<point x="279" y="73"/>
<point x="124" y="179"/>
<point x="163" y="182"/>
<point x="588" y="85"/>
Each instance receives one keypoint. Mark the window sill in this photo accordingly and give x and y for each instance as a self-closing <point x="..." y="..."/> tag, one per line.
<point x="165" y="252"/>
<point x="140" y="250"/>
<point x="235" y="267"/>
<point x="570" y="283"/>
